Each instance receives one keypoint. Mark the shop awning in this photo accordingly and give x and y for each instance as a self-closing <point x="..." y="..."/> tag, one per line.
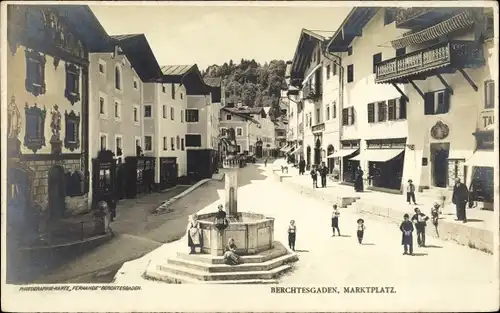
<point x="484" y="158"/>
<point x="341" y="153"/>
<point x="297" y="150"/>
<point x="286" y="149"/>
<point x="459" y="154"/>
<point x="379" y="155"/>
<point x="459" y="21"/>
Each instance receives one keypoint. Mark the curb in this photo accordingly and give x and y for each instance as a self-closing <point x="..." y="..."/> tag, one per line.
<point x="166" y="203"/>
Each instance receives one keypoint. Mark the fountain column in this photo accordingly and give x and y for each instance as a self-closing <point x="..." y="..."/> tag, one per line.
<point x="231" y="187"/>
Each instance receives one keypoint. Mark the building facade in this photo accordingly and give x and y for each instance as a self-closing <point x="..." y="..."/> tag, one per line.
<point x="245" y="127"/>
<point x="48" y="111"/>
<point x="451" y="95"/>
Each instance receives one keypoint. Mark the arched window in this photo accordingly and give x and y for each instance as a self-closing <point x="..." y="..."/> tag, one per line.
<point x="178" y="142"/>
<point x="118" y="78"/>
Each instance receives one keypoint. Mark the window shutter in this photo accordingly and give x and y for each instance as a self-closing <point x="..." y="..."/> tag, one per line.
<point x="446" y="104"/>
<point x="344" y="116"/>
<point x="29" y="74"/>
<point x="429" y="103"/>
<point x="402" y="108"/>
<point x="382" y="109"/>
<point x="353" y="119"/>
<point x="391" y="115"/>
<point x="371" y="112"/>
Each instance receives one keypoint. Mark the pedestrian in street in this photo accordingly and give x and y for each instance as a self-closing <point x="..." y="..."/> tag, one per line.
<point x="335" y="220"/>
<point x="314" y="176"/>
<point x="221" y="222"/>
<point x="406" y="228"/>
<point x="435" y="211"/>
<point x="302" y="167"/>
<point x="361" y="230"/>
<point x="410" y="192"/>
<point x="420" y="220"/>
<point x="292" y="234"/>
<point x="358" y="180"/>
<point x="102" y="218"/>
<point x="265" y="162"/>
<point x="323" y="172"/>
<point x="459" y="199"/>
<point x="194" y="234"/>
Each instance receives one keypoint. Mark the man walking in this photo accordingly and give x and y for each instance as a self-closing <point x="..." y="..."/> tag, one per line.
<point x="459" y="199"/>
<point x="302" y="166"/>
<point x="410" y="192"/>
<point x="323" y="171"/>
<point x="420" y="220"/>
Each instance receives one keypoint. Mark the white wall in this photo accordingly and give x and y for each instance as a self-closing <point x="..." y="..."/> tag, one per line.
<point x="331" y="135"/>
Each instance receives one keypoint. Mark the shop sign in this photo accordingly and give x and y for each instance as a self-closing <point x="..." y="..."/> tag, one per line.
<point x="485" y="141"/>
<point x="486" y="118"/>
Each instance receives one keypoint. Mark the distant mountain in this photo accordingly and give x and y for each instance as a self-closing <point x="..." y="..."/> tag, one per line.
<point x="253" y="84"/>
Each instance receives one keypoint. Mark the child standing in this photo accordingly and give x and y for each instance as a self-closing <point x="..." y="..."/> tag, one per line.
<point x="410" y="192"/>
<point x="335" y="220"/>
<point x="292" y="231"/>
<point x="406" y="228"/>
<point x="361" y="229"/>
<point x="435" y="216"/>
<point x="314" y="176"/>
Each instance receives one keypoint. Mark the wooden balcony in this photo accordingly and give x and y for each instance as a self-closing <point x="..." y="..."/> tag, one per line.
<point x="312" y="93"/>
<point x="318" y="127"/>
<point x="418" y="18"/>
<point x="441" y="58"/>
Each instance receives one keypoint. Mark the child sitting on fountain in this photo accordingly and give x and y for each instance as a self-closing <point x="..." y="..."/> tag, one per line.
<point x="221" y="221"/>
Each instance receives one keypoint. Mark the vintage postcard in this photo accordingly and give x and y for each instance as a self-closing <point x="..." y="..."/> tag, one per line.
<point x="246" y="156"/>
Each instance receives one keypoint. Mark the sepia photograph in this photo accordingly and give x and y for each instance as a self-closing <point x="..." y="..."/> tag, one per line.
<point x="249" y="156"/>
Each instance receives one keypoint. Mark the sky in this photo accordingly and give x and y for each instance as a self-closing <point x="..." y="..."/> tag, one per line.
<point x="208" y="35"/>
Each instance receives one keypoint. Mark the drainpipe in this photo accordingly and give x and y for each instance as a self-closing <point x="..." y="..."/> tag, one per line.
<point x="338" y="61"/>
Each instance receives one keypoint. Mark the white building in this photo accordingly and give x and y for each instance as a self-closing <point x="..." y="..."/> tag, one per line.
<point x="245" y="126"/>
<point x="451" y="96"/>
<point x="373" y="117"/>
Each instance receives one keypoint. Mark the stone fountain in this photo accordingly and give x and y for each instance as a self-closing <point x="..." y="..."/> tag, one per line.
<point x="263" y="259"/>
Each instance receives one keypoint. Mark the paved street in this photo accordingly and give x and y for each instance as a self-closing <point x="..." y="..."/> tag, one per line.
<point x="463" y="273"/>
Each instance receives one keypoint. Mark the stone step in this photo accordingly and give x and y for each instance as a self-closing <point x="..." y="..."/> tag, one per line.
<point x="224" y="268"/>
<point x="169" y="269"/>
<point x="179" y="279"/>
<point x="257" y="258"/>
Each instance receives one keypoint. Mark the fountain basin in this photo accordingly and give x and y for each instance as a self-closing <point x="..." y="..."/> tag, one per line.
<point x="252" y="233"/>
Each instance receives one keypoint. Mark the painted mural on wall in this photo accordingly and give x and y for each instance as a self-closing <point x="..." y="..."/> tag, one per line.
<point x="55" y="126"/>
<point x="14" y="124"/>
<point x="440" y="131"/>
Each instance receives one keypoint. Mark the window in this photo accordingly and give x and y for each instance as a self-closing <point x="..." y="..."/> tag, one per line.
<point x="118" y="145"/>
<point x="136" y="114"/>
<point x="192" y="115"/>
<point x="172" y="113"/>
<point x="334" y="109"/>
<point x="178" y="142"/>
<point x="377" y="58"/>
<point x="327" y="117"/>
<point x="182" y="96"/>
<point x="334" y="69"/>
<point x="172" y="143"/>
<point x="104" y="141"/>
<point x="72" y="133"/>
<point x="489" y="32"/>
<point x="164" y="111"/>
<point x="489" y="94"/>
<point x="165" y="144"/>
<point x="349" y="50"/>
<point x="193" y="140"/>
<point x="72" y="91"/>
<point x="163" y="89"/>
<point x="437" y="102"/>
<point x="182" y="144"/>
<point x="328" y="71"/>
<point x="118" y="79"/>
<point x="239" y="131"/>
<point x="228" y="117"/>
<point x="350" y="73"/>
<point x="118" y="112"/>
<point x="318" y="116"/>
<point x="348" y="117"/>
<point x="35" y="72"/>
<point x="102" y="106"/>
<point x="148" y="143"/>
<point x="238" y="148"/>
<point x="381" y="111"/>
<point x="136" y="84"/>
<point x="173" y="91"/>
<point x="148" y="111"/>
<point x="402" y="108"/>
<point x="101" y="67"/>
<point x="391" y="110"/>
<point x="182" y="116"/>
<point x="371" y="112"/>
<point x="223" y="131"/>
<point x="400" y="52"/>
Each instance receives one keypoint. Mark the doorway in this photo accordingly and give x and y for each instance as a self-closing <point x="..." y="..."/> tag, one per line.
<point x="308" y="157"/>
<point x="439" y="167"/>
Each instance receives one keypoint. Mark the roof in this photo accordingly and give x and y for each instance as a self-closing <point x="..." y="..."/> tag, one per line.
<point x="213" y="81"/>
<point x="240" y="113"/>
<point x="350" y="28"/>
<point x="138" y="51"/>
<point x="246" y="110"/>
<point x="188" y="75"/>
<point x="308" y="40"/>
<point x="267" y="109"/>
<point x="280" y="125"/>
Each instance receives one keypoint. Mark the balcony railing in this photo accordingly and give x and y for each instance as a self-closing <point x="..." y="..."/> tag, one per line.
<point x="318" y="127"/>
<point x="311" y="93"/>
<point x="458" y="54"/>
